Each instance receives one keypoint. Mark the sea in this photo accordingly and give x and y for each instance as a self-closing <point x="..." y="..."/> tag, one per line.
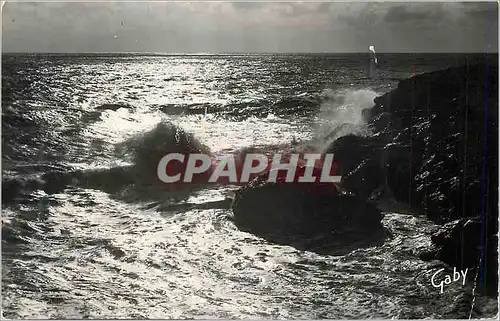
<point x="93" y="245"/>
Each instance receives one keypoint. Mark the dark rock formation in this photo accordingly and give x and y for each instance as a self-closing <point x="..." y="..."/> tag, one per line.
<point x="446" y="124"/>
<point x="436" y="148"/>
<point x="306" y="216"/>
<point x="359" y="159"/>
<point x="459" y="243"/>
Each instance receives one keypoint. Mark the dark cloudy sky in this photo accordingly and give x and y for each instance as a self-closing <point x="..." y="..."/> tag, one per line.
<point x="249" y="27"/>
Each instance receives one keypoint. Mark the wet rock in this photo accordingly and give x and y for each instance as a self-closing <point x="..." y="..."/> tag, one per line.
<point x="434" y="147"/>
<point x="350" y="151"/>
<point x="360" y="163"/>
<point x="297" y="214"/>
<point x="436" y="140"/>
<point x="459" y="244"/>
<point x="441" y="156"/>
<point x="445" y="127"/>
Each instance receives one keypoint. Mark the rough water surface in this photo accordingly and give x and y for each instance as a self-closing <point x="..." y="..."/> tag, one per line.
<point x="84" y="234"/>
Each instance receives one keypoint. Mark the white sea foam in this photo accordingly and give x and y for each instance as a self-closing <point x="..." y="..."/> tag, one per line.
<point x="341" y="114"/>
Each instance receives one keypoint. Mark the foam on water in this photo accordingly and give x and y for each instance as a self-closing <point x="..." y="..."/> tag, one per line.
<point x="79" y="251"/>
<point x="341" y="108"/>
<point x="196" y="263"/>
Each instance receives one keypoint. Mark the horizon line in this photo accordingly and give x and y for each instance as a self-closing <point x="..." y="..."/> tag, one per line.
<point x="239" y="52"/>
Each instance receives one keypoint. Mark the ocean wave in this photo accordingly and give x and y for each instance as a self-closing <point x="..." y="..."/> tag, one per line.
<point x="341" y="111"/>
<point x="136" y="181"/>
<point x="145" y="150"/>
<point x="340" y="106"/>
<point x="287" y="106"/>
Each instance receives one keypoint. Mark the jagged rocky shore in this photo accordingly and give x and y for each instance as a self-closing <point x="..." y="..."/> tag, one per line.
<point x="434" y="148"/>
<point x="437" y="145"/>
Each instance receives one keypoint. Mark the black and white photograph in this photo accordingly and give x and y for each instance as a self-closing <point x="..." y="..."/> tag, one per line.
<point x="249" y="160"/>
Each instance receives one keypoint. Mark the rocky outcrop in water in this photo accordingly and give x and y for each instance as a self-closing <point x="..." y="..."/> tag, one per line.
<point x="312" y="217"/>
<point x="459" y="243"/>
<point x="435" y="148"/>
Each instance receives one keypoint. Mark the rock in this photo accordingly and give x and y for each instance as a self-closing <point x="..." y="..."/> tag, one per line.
<point x="440" y="155"/>
<point x="459" y="244"/>
<point x="349" y="151"/>
<point x="438" y="121"/>
<point x="434" y="148"/>
<point x="433" y="135"/>
<point x="296" y="214"/>
<point x="360" y="163"/>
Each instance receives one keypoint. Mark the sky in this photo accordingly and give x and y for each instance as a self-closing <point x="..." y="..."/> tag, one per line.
<point x="222" y="27"/>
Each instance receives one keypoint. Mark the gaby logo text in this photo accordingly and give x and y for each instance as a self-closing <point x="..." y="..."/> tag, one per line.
<point x="457" y="276"/>
<point x="299" y="168"/>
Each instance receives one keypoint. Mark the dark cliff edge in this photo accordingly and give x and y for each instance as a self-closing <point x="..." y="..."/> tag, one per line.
<point x="435" y="148"/>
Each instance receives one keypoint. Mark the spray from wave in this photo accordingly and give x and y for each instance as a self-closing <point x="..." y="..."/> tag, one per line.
<point x="340" y="114"/>
<point x="134" y="181"/>
<point x="146" y="149"/>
